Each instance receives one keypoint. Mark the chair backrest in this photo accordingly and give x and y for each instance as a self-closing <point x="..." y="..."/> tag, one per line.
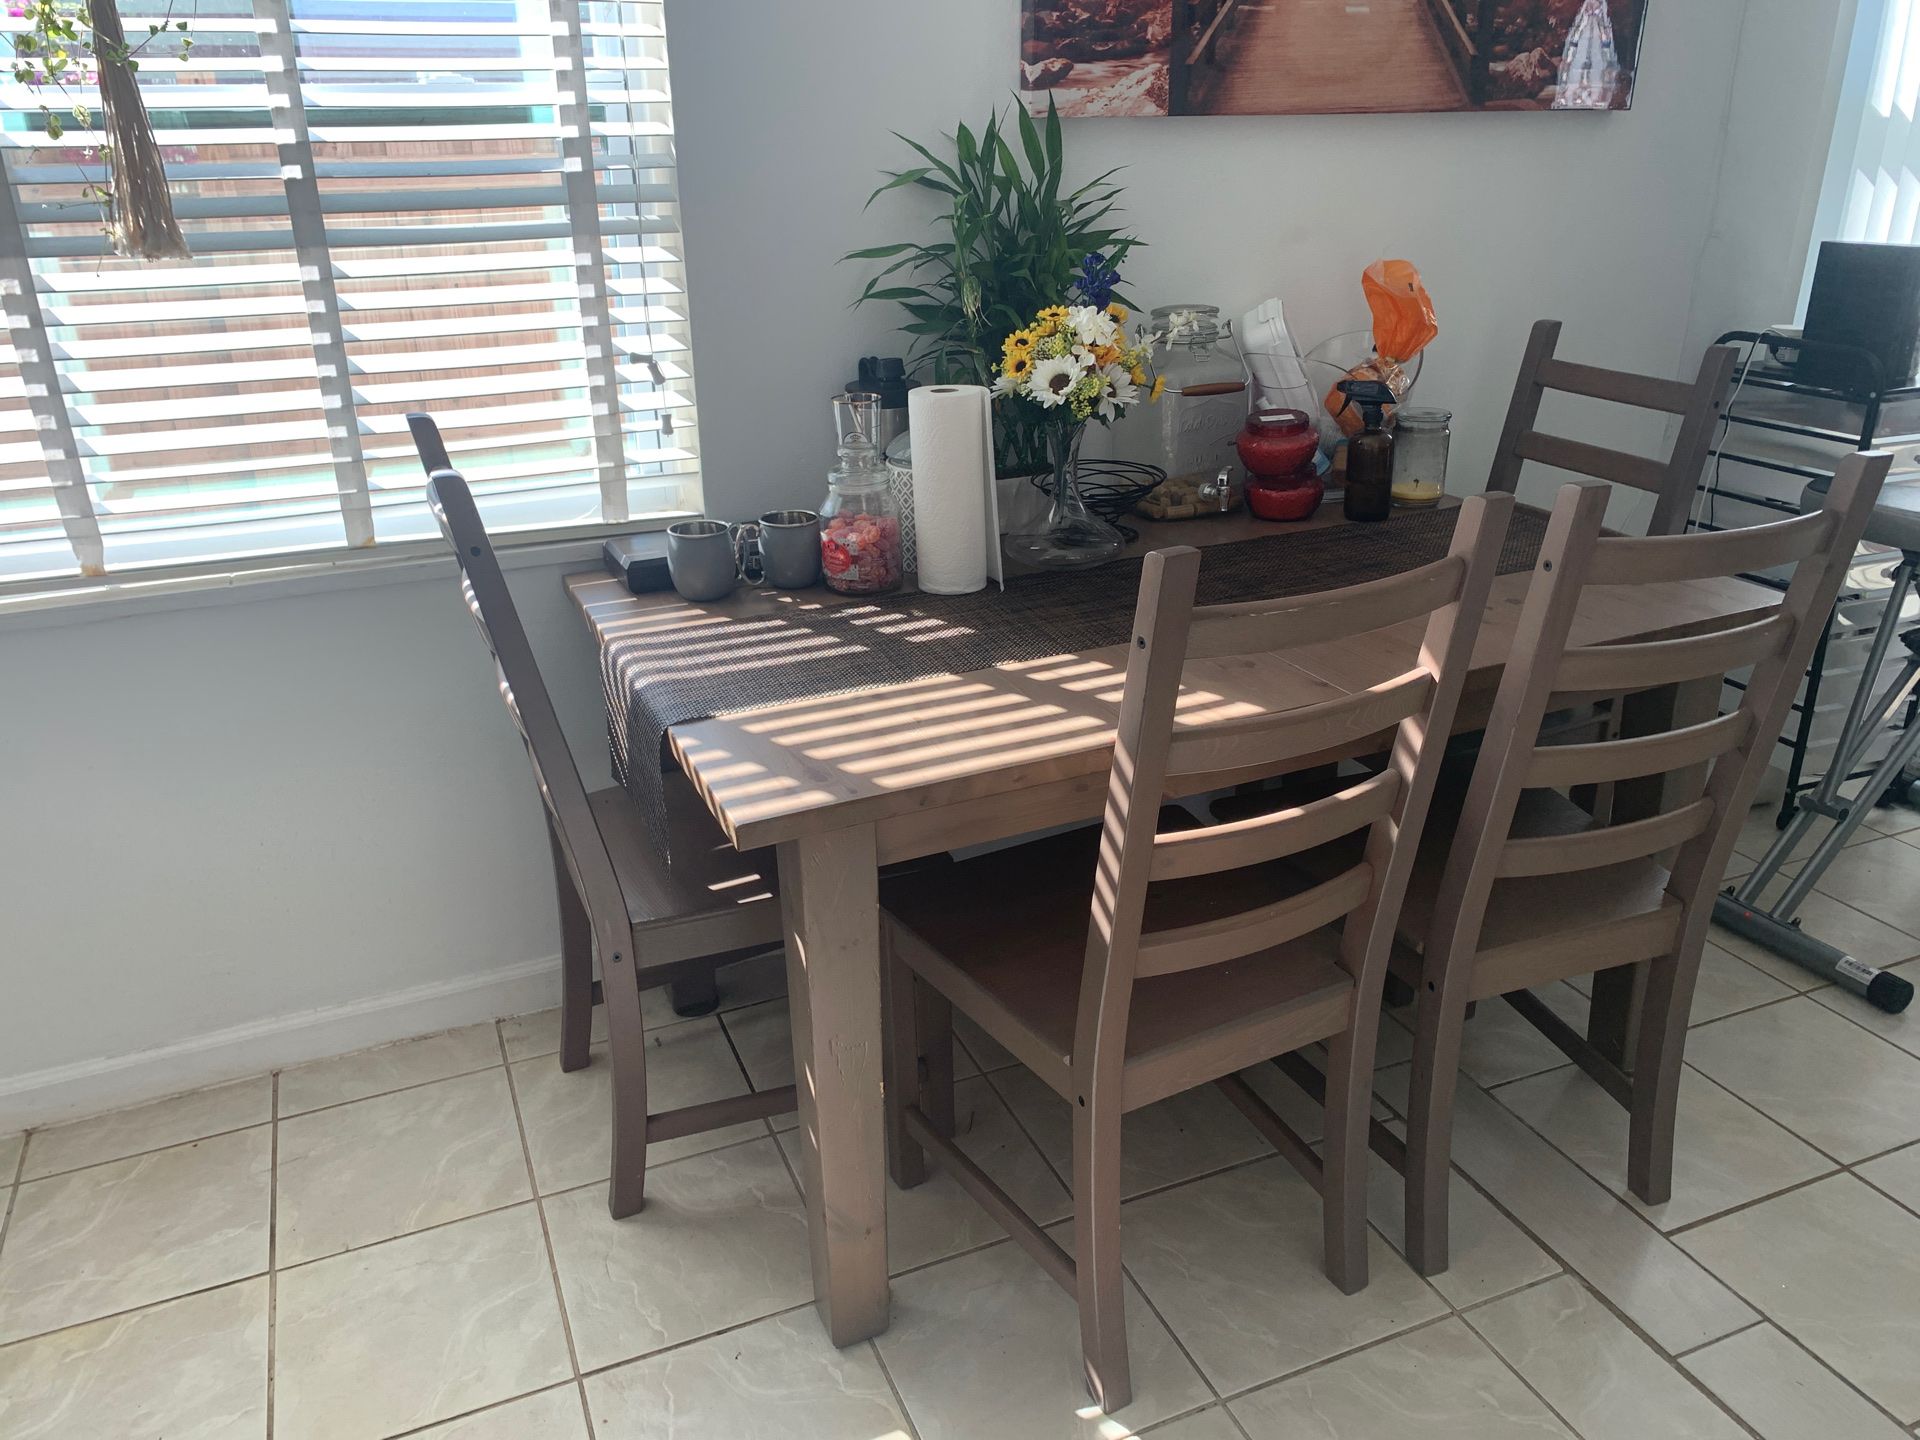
<point x="1713" y="761"/>
<point x="1152" y="760"/>
<point x="1672" y="481"/>
<point x="575" y="831"/>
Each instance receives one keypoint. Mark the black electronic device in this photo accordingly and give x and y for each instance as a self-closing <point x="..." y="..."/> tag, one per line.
<point x="640" y="561"/>
<point x="1868" y="297"/>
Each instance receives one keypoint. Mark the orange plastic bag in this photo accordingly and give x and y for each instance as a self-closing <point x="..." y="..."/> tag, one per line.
<point x="1403" y="326"/>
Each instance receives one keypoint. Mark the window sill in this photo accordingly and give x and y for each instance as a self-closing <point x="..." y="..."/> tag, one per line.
<point x="119" y="596"/>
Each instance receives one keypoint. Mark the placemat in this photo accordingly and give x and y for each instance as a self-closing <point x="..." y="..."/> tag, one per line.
<point x="812" y="651"/>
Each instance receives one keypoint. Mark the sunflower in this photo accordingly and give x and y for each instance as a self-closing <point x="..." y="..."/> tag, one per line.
<point x="1019" y="342"/>
<point x="1119" y="312"/>
<point x="1019" y="365"/>
<point x="1054" y="315"/>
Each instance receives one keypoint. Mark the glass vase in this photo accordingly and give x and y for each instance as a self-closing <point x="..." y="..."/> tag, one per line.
<point x="1073" y="537"/>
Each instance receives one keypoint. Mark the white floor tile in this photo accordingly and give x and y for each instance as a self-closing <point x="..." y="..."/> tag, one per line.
<point x="1234" y="1263"/>
<point x="1726" y="985"/>
<point x="1902" y="1029"/>
<point x="1783" y="1392"/>
<point x="190" y="1369"/>
<point x="778" y="1379"/>
<point x="1662" y="1289"/>
<point x="722" y="1240"/>
<point x="1898" y="1174"/>
<point x="1837" y="1266"/>
<point x="400" y="1335"/>
<point x="569" y="1117"/>
<point x="1499" y="1045"/>
<point x="937" y="1219"/>
<point x="1725" y="1152"/>
<point x="1438" y="1383"/>
<point x="987" y="1347"/>
<point x="1830" y="1082"/>
<point x="10" y="1148"/>
<point x="1489" y="1254"/>
<point x="550" y="1415"/>
<point x="1881" y="878"/>
<point x="387" y="1067"/>
<point x="167" y="1122"/>
<point x="1212" y="1423"/>
<point x="372" y="1169"/>
<point x="525" y="1036"/>
<point x="763" y="1034"/>
<point x="1189" y="1134"/>
<point x="1608" y="1382"/>
<point x="92" y="1242"/>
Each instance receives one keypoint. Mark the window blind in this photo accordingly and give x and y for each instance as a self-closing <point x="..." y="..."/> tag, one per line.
<point x="1873" y="186"/>
<point x="461" y="206"/>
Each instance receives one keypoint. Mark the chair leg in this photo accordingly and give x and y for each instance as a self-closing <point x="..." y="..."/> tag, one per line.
<point x="1657" y="1074"/>
<point x="1435" y="1081"/>
<point x="1343" y="1190"/>
<point x="1098" y="1280"/>
<point x="626" y="1191"/>
<point x="933" y="1020"/>
<point x="576" y="964"/>
<point x="906" y="1159"/>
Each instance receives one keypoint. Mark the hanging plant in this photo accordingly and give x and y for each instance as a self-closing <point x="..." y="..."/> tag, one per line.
<point x="68" y="44"/>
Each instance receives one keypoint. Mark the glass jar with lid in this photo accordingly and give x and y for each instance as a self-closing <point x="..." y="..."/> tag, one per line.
<point x="1205" y="400"/>
<point x="860" y="552"/>
<point x="1421" y="439"/>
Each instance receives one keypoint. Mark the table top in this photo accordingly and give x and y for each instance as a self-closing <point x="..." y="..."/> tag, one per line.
<point x="1021" y="740"/>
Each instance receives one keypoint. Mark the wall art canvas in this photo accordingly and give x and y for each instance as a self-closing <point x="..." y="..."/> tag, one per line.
<point x="1321" y="57"/>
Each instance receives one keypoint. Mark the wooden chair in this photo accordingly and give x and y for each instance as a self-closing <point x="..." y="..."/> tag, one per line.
<point x="1205" y="952"/>
<point x="1519" y="887"/>
<point x="1672" y="481"/>
<point x="647" y="922"/>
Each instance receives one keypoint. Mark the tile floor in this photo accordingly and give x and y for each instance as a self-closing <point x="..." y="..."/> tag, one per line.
<point x="414" y="1241"/>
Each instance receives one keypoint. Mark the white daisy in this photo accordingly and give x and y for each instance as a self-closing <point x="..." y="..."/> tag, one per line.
<point x="1052" y="379"/>
<point x="1117" y="393"/>
<point x="1004" y="384"/>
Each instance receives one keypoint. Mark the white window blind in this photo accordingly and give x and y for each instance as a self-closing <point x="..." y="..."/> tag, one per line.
<point x="459" y="206"/>
<point x="1873" y="186"/>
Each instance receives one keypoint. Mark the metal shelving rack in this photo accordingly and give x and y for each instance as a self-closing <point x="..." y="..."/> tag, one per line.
<point x="1790" y="433"/>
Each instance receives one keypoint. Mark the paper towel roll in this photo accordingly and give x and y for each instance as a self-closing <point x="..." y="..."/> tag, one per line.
<point x="952" y="467"/>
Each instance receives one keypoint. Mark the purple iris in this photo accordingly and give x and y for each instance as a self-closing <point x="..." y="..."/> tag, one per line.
<point x="1096" y="281"/>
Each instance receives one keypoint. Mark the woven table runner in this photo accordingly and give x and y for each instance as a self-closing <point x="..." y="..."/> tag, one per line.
<point x="812" y="651"/>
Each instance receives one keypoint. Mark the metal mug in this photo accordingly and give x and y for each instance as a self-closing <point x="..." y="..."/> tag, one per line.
<point x="789" y="545"/>
<point x="702" y="560"/>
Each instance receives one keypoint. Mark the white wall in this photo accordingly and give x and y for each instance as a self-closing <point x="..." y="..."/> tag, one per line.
<point x="785" y="112"/>
<point x="242" y="834"/>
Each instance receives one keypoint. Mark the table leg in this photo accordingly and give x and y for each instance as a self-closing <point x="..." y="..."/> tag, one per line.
<point x="1613" y="1020"/>
<point x="829" y="897"/>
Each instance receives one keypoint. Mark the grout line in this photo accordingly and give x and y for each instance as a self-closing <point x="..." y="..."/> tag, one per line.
<point x="546" y="1235"/>
<point x="1709" y="1344"/>
<point x="1826" y="1155"/>
<point x="1228" y="1397"/>
<point x="380" y="1094"/>
<point x="6" y="1345"/>
<point x="893" y="1388"/>
<point x="1799" y="1344"/>
<point x="141" y="1154"/>
<point x="273" y="1251"/>
<point x="490" y="1406"/>
<point x="1746" y="1205"/>
<point x="13" y="1190"/>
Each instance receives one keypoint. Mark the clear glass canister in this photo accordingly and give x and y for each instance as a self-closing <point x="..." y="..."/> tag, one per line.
<point x="860" y="551"/>
<point x="1205" y="401"/>
<point x="1421" y="438"/>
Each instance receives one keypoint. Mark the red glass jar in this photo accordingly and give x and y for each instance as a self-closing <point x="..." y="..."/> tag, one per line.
<point x="1277" y="447"/>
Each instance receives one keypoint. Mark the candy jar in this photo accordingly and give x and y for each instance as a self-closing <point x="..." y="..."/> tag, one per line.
<point x="860" y="552"/>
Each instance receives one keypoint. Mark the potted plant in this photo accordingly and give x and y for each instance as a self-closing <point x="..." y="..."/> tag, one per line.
<point x="1010" y="240"/>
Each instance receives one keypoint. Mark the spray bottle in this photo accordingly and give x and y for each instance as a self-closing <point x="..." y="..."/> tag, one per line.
<point x="1370" y="453"/>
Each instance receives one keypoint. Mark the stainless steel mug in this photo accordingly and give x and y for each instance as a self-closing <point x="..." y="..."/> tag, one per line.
<point x="789" y="548"/>
<point x="701" y="559"/>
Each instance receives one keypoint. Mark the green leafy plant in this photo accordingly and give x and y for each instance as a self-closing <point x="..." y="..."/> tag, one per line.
<point x="1010" y="241"/>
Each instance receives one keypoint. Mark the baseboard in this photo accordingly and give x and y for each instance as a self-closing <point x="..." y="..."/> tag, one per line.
<point x="67" y="1092"/>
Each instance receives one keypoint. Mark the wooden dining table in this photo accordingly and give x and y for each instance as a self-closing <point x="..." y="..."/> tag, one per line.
<point x="845" y="785"/>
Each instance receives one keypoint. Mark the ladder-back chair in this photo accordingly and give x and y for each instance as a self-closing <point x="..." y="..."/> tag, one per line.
<point x="1528" y="888"/>
<point x="1672" y="481"/>
<point x="1206" y="952"/>
<point x="645" y="921"/>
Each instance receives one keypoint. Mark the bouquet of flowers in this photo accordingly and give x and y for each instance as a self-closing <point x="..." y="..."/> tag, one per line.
<point x="1076" y="363"/>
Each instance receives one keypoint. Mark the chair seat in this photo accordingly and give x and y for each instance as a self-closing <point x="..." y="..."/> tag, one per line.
<point x="709" y="900"/>
<point x="1004" y="937"/>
